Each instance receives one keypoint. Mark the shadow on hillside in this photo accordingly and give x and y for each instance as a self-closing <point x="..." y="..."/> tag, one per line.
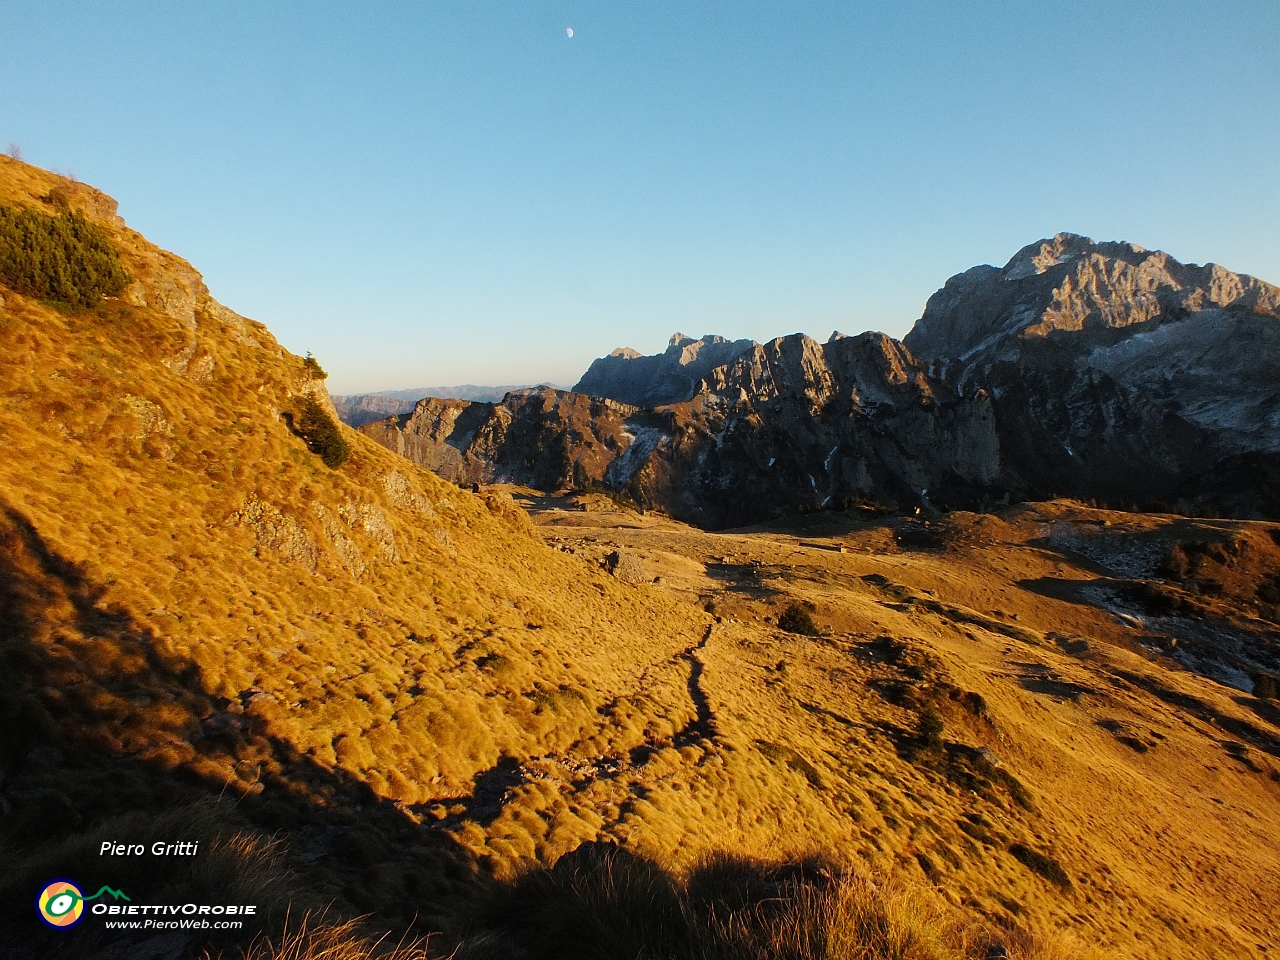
<point x="821" y="523"/>
<point x="490" y="789"/>
<point x="1252" y="735"/>
<point x="745" y="578"/>
<point x="110" y="738"/>
<point x="1070" y="590"/>
<point x="1265" y="709"/>
<point x="1051" y="686"/>
<point x="603" y="902"/>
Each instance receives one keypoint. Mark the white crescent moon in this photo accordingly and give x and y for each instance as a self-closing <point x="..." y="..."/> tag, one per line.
<point x="569" y="32"/>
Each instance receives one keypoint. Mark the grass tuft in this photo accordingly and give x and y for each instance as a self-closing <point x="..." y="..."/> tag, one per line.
<point x="317" y="938"/>
<point x="1037" y="862"/>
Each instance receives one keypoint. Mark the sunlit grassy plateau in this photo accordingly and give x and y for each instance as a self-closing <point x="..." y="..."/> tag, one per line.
<point x="409" y="719"/>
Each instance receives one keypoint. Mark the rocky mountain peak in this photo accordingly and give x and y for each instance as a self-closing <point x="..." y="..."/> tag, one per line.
<point x="1039" y="257"/>
<point x="668" y="377"/>
<point x="1092" y="369"/>
<point x="1072" y="284"/>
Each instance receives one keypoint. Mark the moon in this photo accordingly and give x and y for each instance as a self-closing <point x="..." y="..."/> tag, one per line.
<point x="568" y="32"/>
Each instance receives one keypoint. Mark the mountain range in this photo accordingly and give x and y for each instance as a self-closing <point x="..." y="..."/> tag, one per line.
<point x="1100" y="371"/>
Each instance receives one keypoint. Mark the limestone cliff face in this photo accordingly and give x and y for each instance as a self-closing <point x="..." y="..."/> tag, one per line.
<point x="795" y="424"/>
<point x="787" y="425"/>
<point x="1072" y="284"/>
<point x="541" y="437"/>
<point x="1119" y="373"/>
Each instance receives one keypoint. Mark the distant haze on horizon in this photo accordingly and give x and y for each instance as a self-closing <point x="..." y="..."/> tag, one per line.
<point x="462" y="193"/>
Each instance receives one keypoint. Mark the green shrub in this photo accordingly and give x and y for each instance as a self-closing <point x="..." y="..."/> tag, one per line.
<point x="322" y="436"/>
<point x="64" y="258"/>
<point x="797" y="619"/>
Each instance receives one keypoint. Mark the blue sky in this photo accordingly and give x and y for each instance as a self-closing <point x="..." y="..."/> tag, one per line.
<point x="439" y="193"/>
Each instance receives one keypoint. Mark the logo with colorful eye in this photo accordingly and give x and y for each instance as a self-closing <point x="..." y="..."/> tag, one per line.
<point x="61" y="903"/>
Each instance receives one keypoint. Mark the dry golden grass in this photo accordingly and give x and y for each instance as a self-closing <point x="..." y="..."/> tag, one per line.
<point x="320" y="938"/>
<point x="195" y="605"/>
<point x="1036" y="807"/>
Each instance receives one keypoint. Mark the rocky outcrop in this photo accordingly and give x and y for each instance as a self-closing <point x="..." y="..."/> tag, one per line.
<point x="273" y="531"/>
<point x="169" y="285"/>
<point x="788" y="425"/>
<point x="669" y="377"/>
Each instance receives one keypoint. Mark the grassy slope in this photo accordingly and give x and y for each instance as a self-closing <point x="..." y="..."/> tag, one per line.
<point x="358" y="688"/>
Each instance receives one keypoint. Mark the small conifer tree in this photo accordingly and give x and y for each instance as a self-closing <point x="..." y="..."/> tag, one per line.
<point x="321" y="435"/>
<point x="314" y="370"/>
